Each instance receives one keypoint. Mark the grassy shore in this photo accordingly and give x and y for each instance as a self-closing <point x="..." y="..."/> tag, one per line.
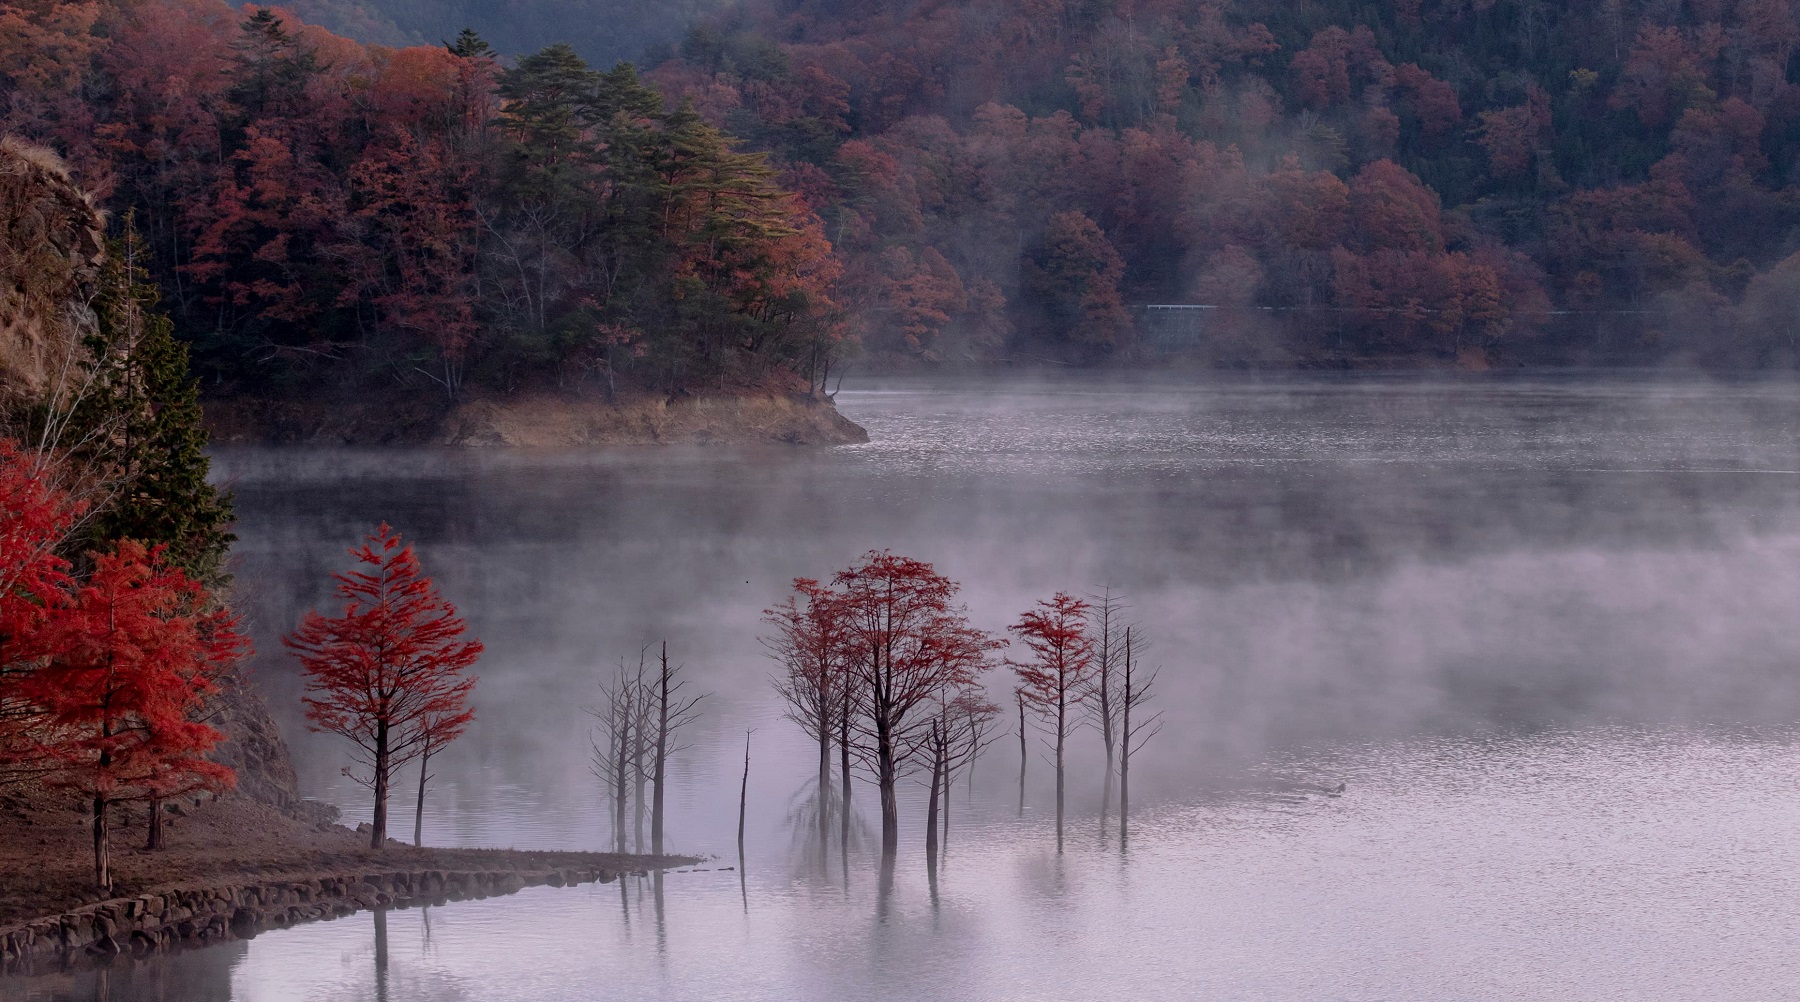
<point x="236" y="850"/>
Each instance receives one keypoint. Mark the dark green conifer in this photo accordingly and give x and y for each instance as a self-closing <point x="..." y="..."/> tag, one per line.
<point x="140" y="426"/>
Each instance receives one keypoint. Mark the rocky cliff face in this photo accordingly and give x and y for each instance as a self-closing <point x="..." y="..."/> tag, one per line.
<point x="52" y="240"/>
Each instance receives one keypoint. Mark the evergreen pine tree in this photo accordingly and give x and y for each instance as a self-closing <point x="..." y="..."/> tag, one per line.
<point x="140" y="424"/>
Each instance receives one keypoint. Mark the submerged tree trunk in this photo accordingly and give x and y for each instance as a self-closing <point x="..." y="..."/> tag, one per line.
<point x="622" y="771"/>
<point x="660" y="764"/>
<point x="641" y="778"/>
<point x="1023" y="753"/>
<point x="1125" y="750"/>
<point x="1105" y="692"/>
<point x="824" y="785"/>
<point x="743" y="800"/>
<point x="844" y="779"/>
<point x="1062" y="729"/>
<point x="886" y="775"/>
<point x="931" y="812"/>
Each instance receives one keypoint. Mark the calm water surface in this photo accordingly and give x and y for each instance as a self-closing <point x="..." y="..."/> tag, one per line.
<point x="1542" y="629"/>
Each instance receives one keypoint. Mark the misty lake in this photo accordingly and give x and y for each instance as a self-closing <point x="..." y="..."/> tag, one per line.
<point x="1543" y="629"/>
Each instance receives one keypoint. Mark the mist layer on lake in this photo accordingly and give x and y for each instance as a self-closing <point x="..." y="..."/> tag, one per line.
<point x="1541" y="628"/>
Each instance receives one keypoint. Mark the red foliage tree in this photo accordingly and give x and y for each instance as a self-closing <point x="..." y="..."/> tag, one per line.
<point x="1390" y="209"/>
<point x="808" y="641"/>
<point x="133" y="660"/>
<point x="1075" y="276"/>
<point x="1432" y="100"/>
<point x="388" y="673"/>
<point x="906" y="643"/>
<point x="1055" y="682"/>
<point x="35" y="517"/>
<point x="1512" y="136"/>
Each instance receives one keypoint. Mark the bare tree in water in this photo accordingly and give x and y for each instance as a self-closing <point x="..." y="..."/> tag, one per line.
<point x="616" y="742"/>
<point x="1105" y="696"/>
<point x="1137" y="690"/>
<point x="673" y="709"/>
<point x="960" y="732"/>
<point x="1024" y="752"/>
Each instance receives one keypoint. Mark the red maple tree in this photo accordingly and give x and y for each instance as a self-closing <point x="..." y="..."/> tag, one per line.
<point x="130" y="664"/>
<point x="1055" y="682"/>
<point x="389" y="672"/>
<point x="906" y="644"/>
<point x="34" y="582"/>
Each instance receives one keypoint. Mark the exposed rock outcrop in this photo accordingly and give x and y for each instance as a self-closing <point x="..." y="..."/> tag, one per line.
<point x="52" y="243"/>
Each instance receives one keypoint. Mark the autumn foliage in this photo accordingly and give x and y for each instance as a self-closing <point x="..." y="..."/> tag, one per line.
<point x="1412" y="179"/>
<point x="1055" y="683"/>
<point x="882" y="652"/>
<point x="104" y="678"/>
<point x="131" y="663"/>
<point x="390" y="671"/>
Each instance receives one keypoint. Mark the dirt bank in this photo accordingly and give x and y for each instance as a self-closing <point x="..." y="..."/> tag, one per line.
<point x="538" y="421"/>
<point x="231" y="868"/>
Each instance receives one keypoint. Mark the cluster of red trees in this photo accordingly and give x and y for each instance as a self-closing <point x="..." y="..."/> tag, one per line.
<point x="105" y="675"/>
<point x="389" y="672"/>
<point x="1401" y="178"/>
<point x="883" y="664"/>
<point x="1414" y="178"/>
<point x="322" y="212"/>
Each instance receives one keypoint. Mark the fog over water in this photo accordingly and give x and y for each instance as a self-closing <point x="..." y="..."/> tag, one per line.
<point x="1542" y="628"/>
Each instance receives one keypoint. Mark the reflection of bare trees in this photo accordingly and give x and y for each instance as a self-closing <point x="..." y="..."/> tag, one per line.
<point x="810" y="842"/>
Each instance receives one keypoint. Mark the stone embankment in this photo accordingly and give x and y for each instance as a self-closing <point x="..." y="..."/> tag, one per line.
<point x="194" y="916"/>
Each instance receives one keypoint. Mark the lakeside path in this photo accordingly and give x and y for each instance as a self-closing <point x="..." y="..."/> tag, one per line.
<point x="230" y="869"/>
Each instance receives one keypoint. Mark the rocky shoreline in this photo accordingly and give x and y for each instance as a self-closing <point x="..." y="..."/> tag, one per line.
<point x="214" y="913"/>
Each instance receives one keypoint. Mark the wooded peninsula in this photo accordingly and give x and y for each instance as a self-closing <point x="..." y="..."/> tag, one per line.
<point x="790" y="184"/>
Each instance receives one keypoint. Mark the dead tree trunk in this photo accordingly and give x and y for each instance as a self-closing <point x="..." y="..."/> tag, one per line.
<point x="622" y="766"/>
<point x="659" y="775"/>
<point x="1105" y="701"/>
<point x="931" y="812"/>
<point x="844" y="775"/>
<point x="673" y="711"/>
<point x="1024" y="754"/>
<point x="743" y="800"/>
<point x="1138" y="688"/>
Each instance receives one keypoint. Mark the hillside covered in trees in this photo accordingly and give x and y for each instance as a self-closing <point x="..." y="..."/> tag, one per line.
<point x="1408" y="182"/>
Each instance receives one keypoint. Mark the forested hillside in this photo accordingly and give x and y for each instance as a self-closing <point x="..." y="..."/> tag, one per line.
<point x="1410" y="177"/>
<point x="327" y="214"/>
<point x="1407" y="182"/>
